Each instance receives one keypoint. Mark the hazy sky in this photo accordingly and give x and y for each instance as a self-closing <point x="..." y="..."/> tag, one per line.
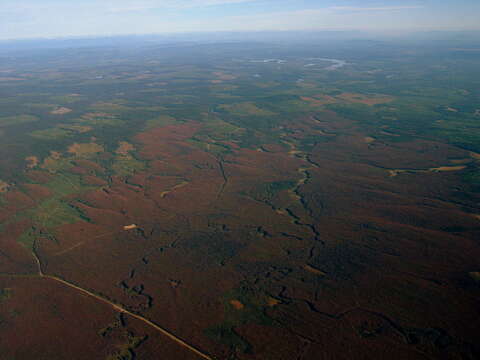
<point x="58" y="18"/>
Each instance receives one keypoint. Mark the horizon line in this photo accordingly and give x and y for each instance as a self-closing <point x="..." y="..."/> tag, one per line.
<point x="176" y="33"/>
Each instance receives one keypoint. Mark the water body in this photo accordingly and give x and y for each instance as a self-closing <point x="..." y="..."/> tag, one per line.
<point x="277" y="61"/>
<point x="336" y="64"/>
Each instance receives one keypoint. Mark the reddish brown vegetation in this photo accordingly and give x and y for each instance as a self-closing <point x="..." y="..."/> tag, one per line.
<point x="352" y="263"/>
<point x="41" y="177"/>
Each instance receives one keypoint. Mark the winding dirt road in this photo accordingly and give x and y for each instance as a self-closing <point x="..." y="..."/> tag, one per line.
<point x="115" y="306"/>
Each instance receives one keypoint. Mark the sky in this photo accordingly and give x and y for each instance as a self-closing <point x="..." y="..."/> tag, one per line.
<point x="72" y="18"/>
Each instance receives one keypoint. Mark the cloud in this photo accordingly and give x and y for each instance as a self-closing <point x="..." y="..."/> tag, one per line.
<point x="132" y="6"/>
<point x="60" y="18"/>
<point x="327" y="18"/>
<point x="108" y="6"/>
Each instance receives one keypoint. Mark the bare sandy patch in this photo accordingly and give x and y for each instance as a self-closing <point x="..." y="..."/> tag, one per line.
<point x="313" y="270"/>
<point x="86" y="149"/>
<point x="237" y="304"/>
<point x="124" y="148"/>
<point x="369" y="139"/>
<point x="448" y="168"/>
<point x="174" y="283"/>
<point x="53" y="162"/>
<point x="460" y="161"/>
<point x="4" y="186"/>
<point x="395" y="172"/>
<point x="94" y="115"/>
<point x="32" y="161"/>
<point x="130" y="227"/>
<point x="61" y="111"/>
<point x="475" y="156"/>
<point x="55" y="155"/>
<point x="272" y="301"/>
